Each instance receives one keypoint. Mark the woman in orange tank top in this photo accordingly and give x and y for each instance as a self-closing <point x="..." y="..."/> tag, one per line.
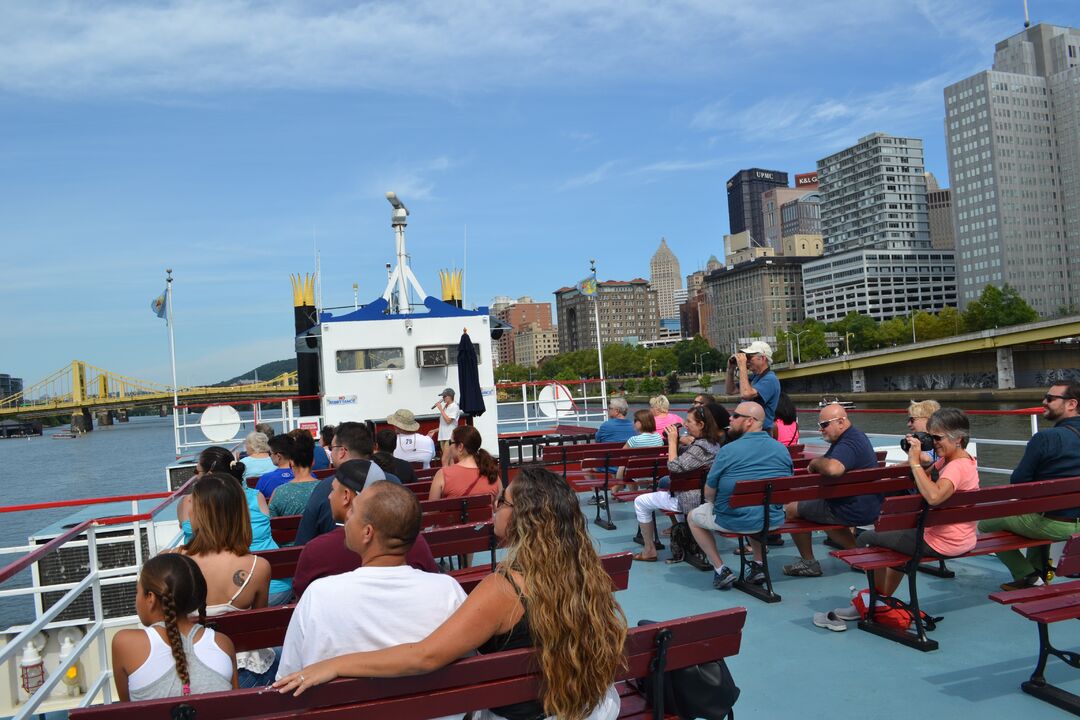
<point x="467" y="468"/>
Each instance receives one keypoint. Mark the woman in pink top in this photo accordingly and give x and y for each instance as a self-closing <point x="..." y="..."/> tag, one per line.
<point x="467" y="468"/>
<point x="786" y="422"/>
<point x="956" y="472"/>
<point x="662" y="415"/>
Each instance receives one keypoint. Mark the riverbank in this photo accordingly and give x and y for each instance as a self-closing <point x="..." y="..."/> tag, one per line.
<point x="1025" y="397"/>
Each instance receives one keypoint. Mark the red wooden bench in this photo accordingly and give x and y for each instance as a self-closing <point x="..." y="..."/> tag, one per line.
<point x="912" y="512"/>
<point x="421" y="489"/>
<point x="598" y="470"/>
<point x="794" y="488"/>
<point x="1046" y="605"/>
<point x="265" y="627"/>
<point x="465" y="685"/>
<point x="436" y="513"/>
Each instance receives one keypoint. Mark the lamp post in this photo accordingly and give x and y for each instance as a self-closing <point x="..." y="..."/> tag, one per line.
<point x="913" y="340"/>
<point x="651" y="361"/>
<point x="798" y="345"/>
<point x="847" y="342"/>
<point x="599" y="345"/>
<point x="700" y="363"/>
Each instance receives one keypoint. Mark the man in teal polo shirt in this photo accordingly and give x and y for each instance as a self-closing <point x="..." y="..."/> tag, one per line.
<point x="757" y="381"/>
<point x="754" y="455"/>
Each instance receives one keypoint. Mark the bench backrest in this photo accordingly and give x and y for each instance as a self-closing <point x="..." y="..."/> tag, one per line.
<point x="479" y="681"/>
<point x="421" y="489"/>
<point x="283" y="528"/>
<point x="902" y="513"/>
<point x="598" y="460"/>
<point x="811" y="486"/>
<point x="796" y="450"/>
<point x="1069" y="562"/>
<point x="323" y="473"/>
<point x="426" y="473"/>
<point x="265" y="627"/>
<point x="689" y="480"/>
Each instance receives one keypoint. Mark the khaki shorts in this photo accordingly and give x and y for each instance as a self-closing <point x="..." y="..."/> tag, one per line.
<point x="704" y="517"/>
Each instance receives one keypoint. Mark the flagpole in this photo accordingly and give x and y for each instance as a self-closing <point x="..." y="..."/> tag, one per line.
<point x="599" y="344"/>
<point x="172" y="355"/>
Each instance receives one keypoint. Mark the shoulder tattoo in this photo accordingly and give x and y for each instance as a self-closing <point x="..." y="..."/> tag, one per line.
<point x="238" y="577"/>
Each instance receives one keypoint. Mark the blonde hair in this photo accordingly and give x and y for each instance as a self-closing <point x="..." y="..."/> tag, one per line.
<point x="923" y="408"/>
<point x="660" y="403"/>
<point x="577" y="627"/>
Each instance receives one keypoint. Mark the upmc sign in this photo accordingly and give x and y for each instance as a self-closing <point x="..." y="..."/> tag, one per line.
<point x="806" y="180"/>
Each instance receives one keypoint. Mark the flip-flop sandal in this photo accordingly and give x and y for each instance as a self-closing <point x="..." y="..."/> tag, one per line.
<point x="638" y="557"/>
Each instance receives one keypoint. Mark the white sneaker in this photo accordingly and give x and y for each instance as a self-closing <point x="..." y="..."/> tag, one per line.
<point x="849" y="613"/>
<point x="829" y="621"/>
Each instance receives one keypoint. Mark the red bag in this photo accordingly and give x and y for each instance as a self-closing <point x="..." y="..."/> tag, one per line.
<point x="895" y="614"/>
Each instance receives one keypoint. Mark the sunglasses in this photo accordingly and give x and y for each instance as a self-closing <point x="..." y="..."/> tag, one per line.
<point x="1051" y="398"/>
<point x="825" y="423"/>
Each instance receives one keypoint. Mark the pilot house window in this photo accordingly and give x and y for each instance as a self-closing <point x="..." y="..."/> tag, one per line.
<point x="370" y="359"/>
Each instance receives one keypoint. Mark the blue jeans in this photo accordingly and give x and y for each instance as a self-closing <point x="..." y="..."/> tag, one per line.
<point x="247" y="679"/>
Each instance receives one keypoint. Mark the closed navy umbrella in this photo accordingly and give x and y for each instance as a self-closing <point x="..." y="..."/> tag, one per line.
<point x="471" y="399"/>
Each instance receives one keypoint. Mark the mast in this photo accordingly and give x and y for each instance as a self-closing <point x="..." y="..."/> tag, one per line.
<point x="397" y="286"/>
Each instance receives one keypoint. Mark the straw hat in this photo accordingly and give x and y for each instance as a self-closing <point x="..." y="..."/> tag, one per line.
<point x="404" y="419"/>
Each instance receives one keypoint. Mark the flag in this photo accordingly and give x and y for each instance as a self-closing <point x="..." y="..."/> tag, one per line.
<point x="587" y="286"/>
<point x="158" y="303"/>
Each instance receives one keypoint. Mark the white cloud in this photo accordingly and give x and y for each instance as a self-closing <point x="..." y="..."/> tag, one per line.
<point x="183" y="47"/>
<point x="414" y="181"/>
<point x="592" y="177"/>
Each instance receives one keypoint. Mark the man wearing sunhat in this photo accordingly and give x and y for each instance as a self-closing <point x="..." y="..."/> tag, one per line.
<point x="411" y="445"/>
<point x="756" y="381"/>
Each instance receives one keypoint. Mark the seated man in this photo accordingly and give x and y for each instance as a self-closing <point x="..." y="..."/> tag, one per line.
<point x="327" y="554"/>
<point x="386" y="443"/>
<point x="849" y="449"/>
<point x="617" y="428"/>
<point x="749" y="454"/>
<point x="382" y="603"/>
<point x="411" y="445"/>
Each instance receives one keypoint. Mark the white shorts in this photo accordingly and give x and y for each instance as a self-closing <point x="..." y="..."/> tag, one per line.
<point x="661" y="500"/>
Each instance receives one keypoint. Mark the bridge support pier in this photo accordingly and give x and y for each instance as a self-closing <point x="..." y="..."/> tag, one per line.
<point x="122" y="415"/>
<point x="858" y="380"/>
<point x="104" y="417"/>
<point x="82" y="421"/>
<point x="1006" y="370"/>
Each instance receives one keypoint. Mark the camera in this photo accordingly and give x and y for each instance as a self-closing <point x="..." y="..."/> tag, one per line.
<point x="924" y="439"/>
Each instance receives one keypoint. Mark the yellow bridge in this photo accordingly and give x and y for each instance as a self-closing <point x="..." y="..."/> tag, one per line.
<point x="81" y="387"/>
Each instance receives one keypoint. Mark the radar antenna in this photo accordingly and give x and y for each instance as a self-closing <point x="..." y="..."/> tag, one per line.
<point x="397" y="286"/>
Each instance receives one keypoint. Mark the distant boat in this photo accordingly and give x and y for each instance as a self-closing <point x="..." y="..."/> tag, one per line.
<point x="64" y="435"/>
<point x="834" y="400"/>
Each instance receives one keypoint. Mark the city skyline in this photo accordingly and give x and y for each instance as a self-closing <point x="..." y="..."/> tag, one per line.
<point x="130" y="148"/>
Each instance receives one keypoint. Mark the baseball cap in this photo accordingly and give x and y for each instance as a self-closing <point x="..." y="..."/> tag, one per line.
<point x="447" y="391"/>
<point x="758" y="347"/>
<point x="354" y="474"/>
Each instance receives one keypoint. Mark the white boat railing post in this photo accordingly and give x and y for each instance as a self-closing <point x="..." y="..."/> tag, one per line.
<point x="525" y="388"/>
<point x="99" y="608"/>
<point x="1034" y="424"/>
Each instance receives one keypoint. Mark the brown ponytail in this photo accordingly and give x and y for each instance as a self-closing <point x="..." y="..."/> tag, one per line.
<point x="469" y="437"/>
<point x="176" y="642"/>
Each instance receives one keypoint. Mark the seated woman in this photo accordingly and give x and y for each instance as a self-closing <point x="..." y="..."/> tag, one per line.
<point x="256" y="460"/>
<point x="661" y="411"/>
<point x="549" y="558"/>
<point x="216" y="459"/>
<point x="171" y="656"/>
<point x="707" y="439"/>
<point x="786" y="422"/>
<point x="467" y="469"/>
<point x="957" y="472"/>
<point x="291" y="498"/>
<point x="235" y="579"/>
<point x="647" y="436"/>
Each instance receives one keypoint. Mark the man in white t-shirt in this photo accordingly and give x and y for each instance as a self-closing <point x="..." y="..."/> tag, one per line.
<point x="411" y="445"/>
<point x="449" y="413"/>
<point x="346" y="613"/>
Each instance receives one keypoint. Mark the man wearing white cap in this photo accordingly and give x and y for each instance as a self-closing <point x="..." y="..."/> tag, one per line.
<point x="760" y="383"/>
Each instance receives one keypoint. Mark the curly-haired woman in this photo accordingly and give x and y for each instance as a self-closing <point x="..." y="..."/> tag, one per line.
<point x="549" y="592"/>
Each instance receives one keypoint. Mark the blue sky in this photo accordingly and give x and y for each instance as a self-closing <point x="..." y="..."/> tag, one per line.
<point x="227" y="138"/>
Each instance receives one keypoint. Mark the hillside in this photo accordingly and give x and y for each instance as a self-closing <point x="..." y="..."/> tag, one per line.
<point x="266" y="371"/>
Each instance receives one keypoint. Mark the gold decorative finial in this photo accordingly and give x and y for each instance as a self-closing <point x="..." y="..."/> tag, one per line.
<point x="303" y="289"/>
<point x="451" y="285"/>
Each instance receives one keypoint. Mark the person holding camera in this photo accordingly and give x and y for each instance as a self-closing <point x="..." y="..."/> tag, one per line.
<point x="948" y="435"/>
<point x="756" y="379"/>
<point x="918" y="416"/>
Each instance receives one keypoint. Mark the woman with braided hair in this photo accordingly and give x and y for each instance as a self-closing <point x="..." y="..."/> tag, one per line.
<point x="172" y="655"/>
<point x="550" y="592"/>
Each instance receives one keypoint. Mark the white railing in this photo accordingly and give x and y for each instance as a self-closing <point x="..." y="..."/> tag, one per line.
<point x="280" y="413"/>
<point x="546" y="403"/>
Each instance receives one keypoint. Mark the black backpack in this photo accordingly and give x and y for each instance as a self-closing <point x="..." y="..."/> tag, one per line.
<point x="700" y="691"/>
<point x="685" y="548"/>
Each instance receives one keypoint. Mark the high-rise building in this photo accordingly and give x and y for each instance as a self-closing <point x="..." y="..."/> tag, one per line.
<point x="532" y="344"/>
<point x="755" y="298"/>
<point x="877" y="260"/>
<point x="627" y="313"/>
<point x="666" y="278"/>
<point x="744" y="191"/>
<point x="9" y="385"/>
<point x="772" y="221"/>
<point x="740" y="248"/>
<point x="1013" y="139"/>
<point x="939" y="203"/>
<point x="520" y="313"/>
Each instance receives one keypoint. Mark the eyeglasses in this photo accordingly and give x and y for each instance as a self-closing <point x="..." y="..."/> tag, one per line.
<point x="337" y="447"/>
<point x="912" y="418"/>
<point x="501" y="501"/>
<point x="1051" y="398"/>
<point x="938" y="438"/>
<point x="825" y="423"/>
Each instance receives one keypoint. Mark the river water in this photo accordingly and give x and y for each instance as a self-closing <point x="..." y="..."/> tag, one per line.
<point x="130" y="458"/>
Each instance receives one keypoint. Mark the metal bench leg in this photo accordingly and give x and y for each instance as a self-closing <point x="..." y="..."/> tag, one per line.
<point x="761" y="592"/>
<point x="941" y="570"/>
<point x="1037" y="685"/>
<point x="917" y="639"/>
<point x="606" y="524"/>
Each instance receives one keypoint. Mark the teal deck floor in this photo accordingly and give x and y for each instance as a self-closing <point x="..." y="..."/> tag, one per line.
<point x="789" y="668"/>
